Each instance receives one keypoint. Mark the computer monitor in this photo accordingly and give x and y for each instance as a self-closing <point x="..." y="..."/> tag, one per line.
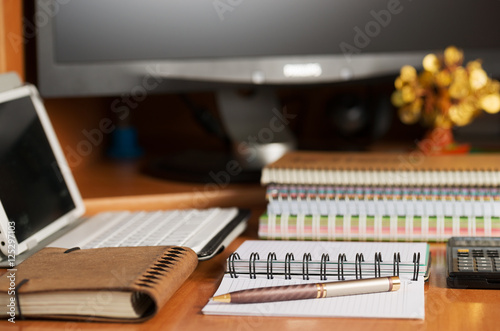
<point x="106" y="47"/>
<point x="112" y="47"/>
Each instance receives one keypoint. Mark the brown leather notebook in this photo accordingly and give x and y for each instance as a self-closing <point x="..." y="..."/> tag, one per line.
<point x="121" y="284"/>
<point x="342" y="168"/>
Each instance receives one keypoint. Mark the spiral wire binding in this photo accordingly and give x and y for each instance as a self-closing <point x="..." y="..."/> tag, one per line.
<point x="359" y="258"/>
<point x="158" y="270"/>
<point x="231" y="268"/>
<point x="305" y="265"/>
<point x="270" y="258"/>
<point x="340" y="266"/>
<point x="395" y="264"/>
<point x="322" y="270"/>
<point x="251" y="265"/>
<point x="288" y="260"/>
<point x="378" y="259"/>
<point x="416" y="265"/>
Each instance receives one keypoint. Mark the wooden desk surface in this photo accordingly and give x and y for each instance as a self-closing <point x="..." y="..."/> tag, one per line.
<point x="445" y="309"/>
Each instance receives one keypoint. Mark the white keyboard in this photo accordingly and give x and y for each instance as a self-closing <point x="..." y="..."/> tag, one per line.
<point x="193" y="228"/>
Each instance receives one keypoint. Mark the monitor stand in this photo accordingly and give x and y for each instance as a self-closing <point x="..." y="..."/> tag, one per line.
<point x="258" y="132"/>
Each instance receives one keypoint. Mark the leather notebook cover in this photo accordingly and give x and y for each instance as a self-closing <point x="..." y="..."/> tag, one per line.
<point x="150" y="275"/>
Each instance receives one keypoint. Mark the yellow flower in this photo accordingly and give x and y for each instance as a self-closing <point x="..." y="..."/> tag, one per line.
<point x="431" y="63"/>
<point x="490" y="103"/>
<point x="445" y="93"/>
<point x="453" y="56"/>
<point x="408" y="74"/>
<point x="478" y="79"/>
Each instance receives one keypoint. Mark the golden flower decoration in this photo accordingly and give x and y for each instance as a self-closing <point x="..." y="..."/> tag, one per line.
<point x="445" y="93"/>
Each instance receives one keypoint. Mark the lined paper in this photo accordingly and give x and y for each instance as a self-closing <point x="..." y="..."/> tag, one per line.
<point x="407" y="302"/>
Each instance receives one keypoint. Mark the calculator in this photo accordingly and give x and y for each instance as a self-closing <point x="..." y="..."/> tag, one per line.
<point x="473" y="262"/>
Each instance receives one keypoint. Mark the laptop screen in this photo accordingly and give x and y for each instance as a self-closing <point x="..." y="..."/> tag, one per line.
<point x="32" y="189"/>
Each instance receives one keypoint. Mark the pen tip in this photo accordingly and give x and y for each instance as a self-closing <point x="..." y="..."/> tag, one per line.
<point x="226" y="298"/>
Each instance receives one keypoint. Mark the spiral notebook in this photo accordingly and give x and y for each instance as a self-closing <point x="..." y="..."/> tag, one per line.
<point x="274" y="263"/>
<point x="322" y="212"/>
<point x="112" y="284"/>
<point x="385" y="169"/>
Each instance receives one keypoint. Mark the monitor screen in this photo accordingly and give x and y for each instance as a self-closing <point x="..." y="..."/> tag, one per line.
<point x="106" y="47"/>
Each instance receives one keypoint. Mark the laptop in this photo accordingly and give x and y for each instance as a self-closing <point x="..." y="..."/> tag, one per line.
<point x="40" y="204"/>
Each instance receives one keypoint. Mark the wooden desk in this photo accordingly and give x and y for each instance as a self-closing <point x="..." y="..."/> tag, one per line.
<point x="445" y="309"/>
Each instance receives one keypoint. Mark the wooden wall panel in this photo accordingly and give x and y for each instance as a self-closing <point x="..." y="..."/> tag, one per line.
<point x="11" y="37"/>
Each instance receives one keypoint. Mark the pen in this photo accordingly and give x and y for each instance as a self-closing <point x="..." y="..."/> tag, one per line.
<point x="311" y="291"/>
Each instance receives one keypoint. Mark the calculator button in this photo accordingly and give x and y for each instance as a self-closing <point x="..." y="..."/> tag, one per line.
<point x="468" y="267"/>
<point x="465" y="268"/>
<point x="462" y="260"/>
<point x="468" y="262"/>
<point x="483" y="259"/>
<point x="465" y="258"/>
<point x="484" y="269"/>
<point x="492" y="253"/>
<point x="485" y="266"/>
<point x="477" y="253"/>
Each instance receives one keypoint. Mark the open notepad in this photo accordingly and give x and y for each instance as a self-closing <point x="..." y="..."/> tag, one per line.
<point x="273" y="263"/>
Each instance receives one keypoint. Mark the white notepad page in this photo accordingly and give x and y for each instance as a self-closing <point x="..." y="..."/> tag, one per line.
<point x="407" y="302"/>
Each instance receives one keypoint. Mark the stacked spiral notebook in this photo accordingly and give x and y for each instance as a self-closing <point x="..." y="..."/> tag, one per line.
<point x="260" y="263"/>
<point x="377" y="196"/>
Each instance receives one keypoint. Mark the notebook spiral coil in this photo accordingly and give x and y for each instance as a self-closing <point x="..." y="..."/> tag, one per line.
<point x="306" y="212"/>
<point x="324" y="268"/>
<point x="154" y="275"/>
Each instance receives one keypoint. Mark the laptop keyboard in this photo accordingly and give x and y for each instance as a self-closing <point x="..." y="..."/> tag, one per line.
<point x="192" y="228"/>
